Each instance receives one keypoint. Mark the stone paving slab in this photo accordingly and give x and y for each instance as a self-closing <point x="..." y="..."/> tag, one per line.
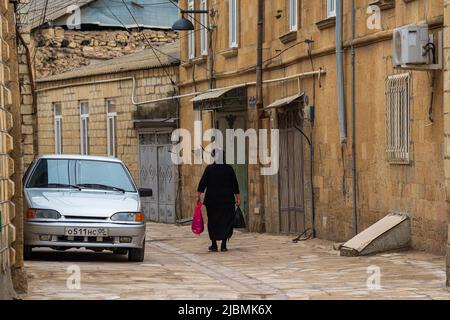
<point x="258" y="266"/>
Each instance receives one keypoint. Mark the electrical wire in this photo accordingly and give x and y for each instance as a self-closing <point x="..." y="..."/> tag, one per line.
<point x="189" y="15"/>
<point x="44" y="13"/>
<point x="151" y="46"/>
<point x="158" y="50"/>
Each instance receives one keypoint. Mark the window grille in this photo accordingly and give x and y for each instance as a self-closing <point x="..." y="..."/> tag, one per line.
<point x="398" y="127"/>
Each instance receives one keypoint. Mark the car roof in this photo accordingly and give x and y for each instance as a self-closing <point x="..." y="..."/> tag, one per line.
<point x="79" y="157"/>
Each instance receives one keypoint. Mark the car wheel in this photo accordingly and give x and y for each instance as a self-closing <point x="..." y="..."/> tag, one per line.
<point x="27" y="252"/>
<point x="137" y="255"/>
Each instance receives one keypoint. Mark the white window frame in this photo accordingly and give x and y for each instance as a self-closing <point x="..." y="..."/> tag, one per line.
<point x="111" y="128"/>
<point x="233" y="23"/>
<point x="293" y="15"/>
<point x="204" y="31"/>
<point x="398" y="118"/>
<point x="84" y="129"/>
<point x="58" y="127"/>
<point x="191" y="35"/>
<point x="331" y="8"/>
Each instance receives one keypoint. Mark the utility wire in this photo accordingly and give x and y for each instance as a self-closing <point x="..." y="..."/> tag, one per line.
<point x="190" y="15"/>
<point x="155" y="48"/>
<point x="44" y="13"/>
<point x="151" y="46"/>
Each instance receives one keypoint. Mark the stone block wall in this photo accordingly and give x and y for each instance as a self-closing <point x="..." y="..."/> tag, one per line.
<point x="150" y="84"/>
<point x="59" y="50"/>
<point x="7" y="187"/>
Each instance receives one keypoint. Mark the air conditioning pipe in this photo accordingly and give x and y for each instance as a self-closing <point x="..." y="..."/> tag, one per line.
<point x="340" y="71"/>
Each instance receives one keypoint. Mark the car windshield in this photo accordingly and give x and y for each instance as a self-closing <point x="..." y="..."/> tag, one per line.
<point x="81" y="174"/>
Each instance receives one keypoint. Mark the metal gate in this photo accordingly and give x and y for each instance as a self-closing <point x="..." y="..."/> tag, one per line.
<point x="158" y="173"/>
<point x="291" y="191"/>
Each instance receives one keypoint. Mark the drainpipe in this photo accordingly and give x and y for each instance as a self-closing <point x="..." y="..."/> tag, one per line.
<point x="353" y="93"/>
<point x="340" y="71"/>
<point x="260" y="99"/>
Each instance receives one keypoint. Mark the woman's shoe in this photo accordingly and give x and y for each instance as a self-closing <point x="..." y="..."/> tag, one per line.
<point x="224" y="249"/>
<point x="213" y="249"/>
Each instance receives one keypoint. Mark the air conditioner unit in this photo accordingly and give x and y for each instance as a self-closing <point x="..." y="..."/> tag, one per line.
<point x="410" y="45"/>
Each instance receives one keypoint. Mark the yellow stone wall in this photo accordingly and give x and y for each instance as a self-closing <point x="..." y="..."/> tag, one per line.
<point x="151" y="84"/>
<point x="417" y="189"/>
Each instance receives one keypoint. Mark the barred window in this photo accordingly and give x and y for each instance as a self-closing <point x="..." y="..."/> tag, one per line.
<point x="398" y="109"/>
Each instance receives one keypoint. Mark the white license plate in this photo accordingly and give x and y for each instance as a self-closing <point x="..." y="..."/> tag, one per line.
<point x="86" y="232"/>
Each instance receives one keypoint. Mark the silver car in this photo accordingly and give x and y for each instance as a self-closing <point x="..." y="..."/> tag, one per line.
<point x="83" y="202"/>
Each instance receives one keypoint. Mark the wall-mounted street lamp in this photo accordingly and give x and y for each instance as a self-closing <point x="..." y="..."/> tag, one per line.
<point x="184" y="24"/>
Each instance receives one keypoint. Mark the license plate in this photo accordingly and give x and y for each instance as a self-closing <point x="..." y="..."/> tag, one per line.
<point x="86" y="232"/>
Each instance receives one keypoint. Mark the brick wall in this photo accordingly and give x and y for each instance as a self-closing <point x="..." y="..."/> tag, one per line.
<point x="151" y="84"/>
<point x="7" y="187"/>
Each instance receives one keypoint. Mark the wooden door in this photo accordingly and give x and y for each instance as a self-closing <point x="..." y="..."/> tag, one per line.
<point x="292" y="209"/>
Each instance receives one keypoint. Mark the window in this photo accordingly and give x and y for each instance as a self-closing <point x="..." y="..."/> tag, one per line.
<point x="398" y="131"/>
<point x="84" y="127"/>
<point x="57" y="113"/>
<point x="89" y="174"/>
<point x="111" y="127"/>
<point x="331" y="8"/>
<point x="293" y="15"/>
<point x="233" y="21"/>
<point x="204" y="31"/>
<point x="191" y="35"/>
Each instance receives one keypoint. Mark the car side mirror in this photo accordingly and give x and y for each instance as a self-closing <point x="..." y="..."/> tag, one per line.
<point x="145" y="192"/>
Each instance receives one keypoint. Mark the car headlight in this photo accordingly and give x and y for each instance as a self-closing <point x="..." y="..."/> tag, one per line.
<point x="128" y="217"/>
<point x="43" y="214"/>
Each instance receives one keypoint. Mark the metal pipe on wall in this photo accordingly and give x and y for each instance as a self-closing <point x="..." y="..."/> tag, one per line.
<point x="353" y="94"/>
<point x="340" y="71"/>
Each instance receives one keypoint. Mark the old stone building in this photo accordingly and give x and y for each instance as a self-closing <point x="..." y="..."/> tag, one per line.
<point x="68" y="34"/>
<point x="59" y="38"/>
<point x="102" y="109"/>
<point x="12" y="277"/>
<point x="301" y="90"/>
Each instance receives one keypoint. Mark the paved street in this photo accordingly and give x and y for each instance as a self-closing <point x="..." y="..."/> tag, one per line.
<point x="178" y="266"/>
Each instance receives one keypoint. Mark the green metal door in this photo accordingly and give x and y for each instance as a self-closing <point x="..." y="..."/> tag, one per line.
<point x="236" y="121"/>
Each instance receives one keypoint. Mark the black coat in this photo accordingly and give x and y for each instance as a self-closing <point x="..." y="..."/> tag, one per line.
<point x="221" y="185"/>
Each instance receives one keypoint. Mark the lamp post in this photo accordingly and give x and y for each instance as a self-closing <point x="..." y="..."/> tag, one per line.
<point x="184" y="24"/>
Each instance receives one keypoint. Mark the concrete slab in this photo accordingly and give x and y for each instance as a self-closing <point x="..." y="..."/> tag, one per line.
<point x="390" y="233"/>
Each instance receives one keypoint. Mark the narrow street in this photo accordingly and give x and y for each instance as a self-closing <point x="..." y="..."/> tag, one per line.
<point x="178" y="266"/>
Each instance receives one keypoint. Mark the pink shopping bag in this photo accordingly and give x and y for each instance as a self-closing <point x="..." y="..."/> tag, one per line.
<point x="198" y="225"/>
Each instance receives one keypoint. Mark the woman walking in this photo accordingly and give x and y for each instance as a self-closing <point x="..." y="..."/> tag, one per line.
<point x="221" y="198"/>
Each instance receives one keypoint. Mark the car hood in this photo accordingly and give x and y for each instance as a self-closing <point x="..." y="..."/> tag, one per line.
<point x="83" y="203"/>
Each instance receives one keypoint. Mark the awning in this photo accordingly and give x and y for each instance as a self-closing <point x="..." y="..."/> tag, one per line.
<point x="216" y="94"/>
<point x="285" y="101"/>
<point x="155" y="123"/>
